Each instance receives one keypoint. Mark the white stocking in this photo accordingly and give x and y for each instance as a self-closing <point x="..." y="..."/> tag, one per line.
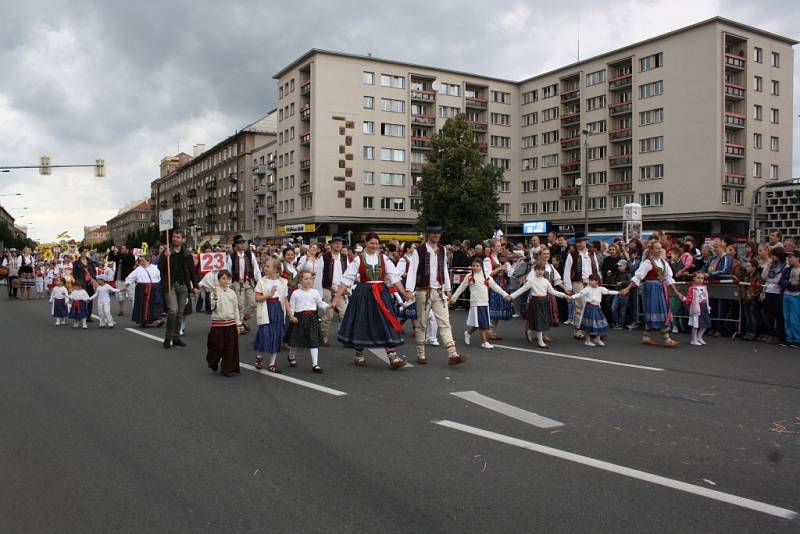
<point x="314" y="356"/>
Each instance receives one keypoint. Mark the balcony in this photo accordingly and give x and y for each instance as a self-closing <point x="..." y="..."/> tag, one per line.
<point x="423" y="120"/>
<point x="305" y="164"/>
<point x="570" y="190"/>
<point x="305" y="88"/>
<point x="210" y="219"/>
<point x="483" y="148"/>
<point x="305" y="188"/>
<point x="190" y="221"/>
<point x="271" y="164"/>
<point x="305" y="113"/>
<point x="261" y="211"/>
<point x="260" y="190"/>
<point x="233" y="215"/>
<point x="571" y="167"/>
<point x="163" y="204"/>
<point x="211" y="202"/>
<point x="415" y="192"/>
<point x="623" y="134"/>
<point x="176" y="197"/>
<point x="621" y="108"/>
<point x="305" y="139"/>
<point x="735" y="120"/>
<point x="418" y="166"/>
<point x="210" y="186"/>
<point x="570" y="95"/>
<point x="423" y="96"/>
<point x="192" y="193"/>
<point x="272" y="187"/>
<point x="478" y="126"/>
<point x="421" y="142"/>
<point x="734" y="180"/>
<point x="620" y="82"/>
<point x="734" y="92"/>
<point x="476" y="102"/>
<point x="734" y="151"/>
<point x="620" y="160"/>
<point x="191" y="209"/>
<point x="734" y="62"/>
<point x="233" y="196"/>
<point x="260" y="169"/>
<point x="571" y="119"/>
<point x="233" y="177"/>
<point x="620" y="187"/>
<point x="571" y="143"/>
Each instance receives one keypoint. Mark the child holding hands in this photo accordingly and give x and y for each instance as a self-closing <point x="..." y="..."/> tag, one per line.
<point x="478" y="317"/>
<point x="594" y="323"/>
<point x="304" y="329"/>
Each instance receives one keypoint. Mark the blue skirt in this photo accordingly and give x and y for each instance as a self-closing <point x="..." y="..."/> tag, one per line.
<point x="657" y="312"/>
<point x="499" y="308"/>
<point x="594" y="322"/>
<point x="364" y="324"/>
<point x="269" y="337"/>
<point x="60" y="310"/>
<point x="478" y="317"/>
<point x="79" y="310"/>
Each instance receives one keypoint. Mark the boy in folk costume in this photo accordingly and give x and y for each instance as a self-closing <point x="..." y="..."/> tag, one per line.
<point x="103" y="292"/>
<point x="429" y="280"/>
<point x="334" y="265"/>
<point x="223" y="337"/>
<point x="697" y="302"/>
<point x="243" y="266"/>
<point x="478" y="316"/>
<point x="579" y="265"/>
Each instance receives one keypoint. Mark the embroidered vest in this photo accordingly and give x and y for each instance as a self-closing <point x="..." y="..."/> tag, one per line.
<point x="576" y="274"/>
<point x="370" y="273"/>
<point x="327" y="268"/>
<point x="424" y="268"/>
<point x="249" y="273"/>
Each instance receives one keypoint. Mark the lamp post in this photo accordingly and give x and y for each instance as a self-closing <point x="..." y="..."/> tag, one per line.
<point x="586" y="182"/>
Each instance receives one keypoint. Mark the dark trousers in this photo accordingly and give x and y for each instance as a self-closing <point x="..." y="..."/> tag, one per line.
<point x="223" y="344"/>
<point x="12" y="291"/>
<point x="773" y="311"/>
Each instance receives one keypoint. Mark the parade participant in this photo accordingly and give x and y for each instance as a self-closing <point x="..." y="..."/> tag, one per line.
<point x="124" y="264"/>
<point x="26" y="273"/>
<point x="79" y="307"/>
<point x="243" y="266"/>
<point x="84" y="269"/>
<point x="520" y="267"/>
<point x="313" y="263"/>
<point x="369" y="320"/>
<point x="478" y="316"/>
<point x="147" y="297"/>
<point x="223" y="337"/>
<point x="407" y="312"/>
<point x="539" y="312"/>
<point x="12" y="262"/>
<point x="429" y="281"/>
<point x="495" y="266"/>
<point x="790" y="285"/>
<point x="271" y="296"/>
<point x="655" y="273"/>
<point x="304" y="330"/>
<point x="697" y="302"/>
<point x="176" y="266"/>
<point x="593" y="322"/>
<point x="619" y="306"/>
<point x="579" y="264"/>
<point x="59" y="298"/>
<point x="50" y="276"/>
<point x="553" y="276"/>
<point x="103" y="292"/>
<point x="288" y="268"/>
<point x="39" y="274"/>
<point x="334" y="265"/>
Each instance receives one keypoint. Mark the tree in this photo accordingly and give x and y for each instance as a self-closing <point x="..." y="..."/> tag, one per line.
<point x="149" y="235"/>
<point x="457" y="188"/>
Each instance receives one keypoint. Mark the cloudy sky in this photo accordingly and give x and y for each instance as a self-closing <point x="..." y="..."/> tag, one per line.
<point x="131" y="82"/>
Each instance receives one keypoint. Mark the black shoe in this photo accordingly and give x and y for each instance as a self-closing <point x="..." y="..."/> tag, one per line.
<point x="167" y="343"/>
<point x="292" y="363"/>
<point x="228" y="375"/>
<point x="316" y="369"/>
<point x="214" y="367"/>
<point x="176" y="342"/>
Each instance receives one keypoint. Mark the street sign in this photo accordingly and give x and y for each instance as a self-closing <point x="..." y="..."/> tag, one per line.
<point x="165" y="220"/>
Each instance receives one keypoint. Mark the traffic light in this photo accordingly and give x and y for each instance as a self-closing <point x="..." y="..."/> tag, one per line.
<point x="44" y="165"/>
<point x="100" y="168"/>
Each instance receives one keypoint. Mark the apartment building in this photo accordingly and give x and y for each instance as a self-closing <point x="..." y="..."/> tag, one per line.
<point x="264" y="191"/>
<point x="685" y="124"/>
<point x="93" y="235"/>
<point x="782" y="207"/>
<point x="130" y="219"/>
<point x="211" y="194"/>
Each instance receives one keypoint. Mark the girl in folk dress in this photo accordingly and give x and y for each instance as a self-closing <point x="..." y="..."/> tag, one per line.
<point x="313" y="263"/>
<point x="304" y="329"/>
<point x="540" y="311"/>
<point x="79" y="308"/>
<point x="223" y="338"/>
<point x="272" y="293"/>
<point x="552" y="275"/>
<point x="288" y="270"/>
<point x="594" y="322"/>
<point x="478" y="316"/>
<point x="697" y="302"/>
<point x="39" y="279"/>
<point x="59" y="298"/>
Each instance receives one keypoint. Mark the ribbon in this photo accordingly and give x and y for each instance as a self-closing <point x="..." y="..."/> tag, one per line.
<point x="376" y="294"/>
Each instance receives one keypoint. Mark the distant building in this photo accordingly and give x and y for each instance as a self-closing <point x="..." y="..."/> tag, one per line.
<point x="782" y="207"/>
<point x="93" y="235"/>
<point x="131" y="218"/>
<point x="6" y="218"/>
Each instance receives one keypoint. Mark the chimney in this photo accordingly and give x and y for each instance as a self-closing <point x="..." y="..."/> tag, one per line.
<point x="198" y="149"/>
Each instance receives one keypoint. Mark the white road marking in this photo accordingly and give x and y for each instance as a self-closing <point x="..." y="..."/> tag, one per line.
<point x="508" y="410"/>
<point x="298" y="382"/>
<point x="145" y="334"/>
<point x="381" y="354"/>
<point x="626" y="471"/>
<point x="595" y="360"/>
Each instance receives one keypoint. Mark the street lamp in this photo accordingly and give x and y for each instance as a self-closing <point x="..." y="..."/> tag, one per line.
<point x="586" y="181"/>
<point x="10" y="194"/>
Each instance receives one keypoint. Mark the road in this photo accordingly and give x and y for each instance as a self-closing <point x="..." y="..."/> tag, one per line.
<point x="105" y="431"/>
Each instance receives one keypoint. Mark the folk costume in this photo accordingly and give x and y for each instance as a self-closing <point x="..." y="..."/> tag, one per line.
<point x="499" y="308"/>
<point x="656" y="276"/>
<point x="593" y="321"/>
<point x="223" y="337"/>
<point x="578" y="266"/>
<point x="59" y="298"/>
<point x="306" y="332"/>
<point x="271" y="319"/>
<point x="539" y="311"/>
<point x="246" y="273"/>
<point x="147" y="295"/>
<point x="333" y="267"/>
<point x="478" y="285"/>
<point x="697" y="302"/>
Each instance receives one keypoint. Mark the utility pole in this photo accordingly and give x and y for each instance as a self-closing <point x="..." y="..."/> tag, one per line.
<point x="586" y="182"/>
<point x="45" y="167"/>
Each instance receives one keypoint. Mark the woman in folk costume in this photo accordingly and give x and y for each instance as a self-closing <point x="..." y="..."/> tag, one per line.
<point x="147" y="295"/>
<point x="654" y="272"/>
<point x="370" y="320"/>
<point x="551" y="273"/>
<point x="288" y="269"/>
<point x="499" y="308"/>
<point x="313" y="263"/>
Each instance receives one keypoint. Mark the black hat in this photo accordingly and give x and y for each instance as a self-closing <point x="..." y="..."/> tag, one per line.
<point x="580" y="236"/>
<point x="434" y="226"/>
<point x="238" y="239"/>
<point x="337" y="237"/>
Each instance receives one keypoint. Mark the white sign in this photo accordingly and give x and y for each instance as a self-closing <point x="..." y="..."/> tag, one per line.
<point x="165" y="220"/>
<point x="212" y="261"/>
<point x="535" y="227"/>
<point x="295" y="228"/>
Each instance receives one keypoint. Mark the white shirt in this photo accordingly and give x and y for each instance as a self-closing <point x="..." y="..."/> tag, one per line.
<point x="108" y="276"/>
<point x="487" y="265"/>
<point x="539" y="286"/>
<point x="59" y="292"/>
<point x="13" y="265"/>
<point x="337" y="270"/>
<point x="593" y="295"/>
<point x="350" y="276"/>
<point x="209" y="281"/>
<point x="411" y="279"/>
<point x="646" y="266"/>
<point x="307" y="300"/>
<point x="240" y="255"/>
<point x="315" y="266"/>
<point x="265" y="286"/>
<point x="81" y="294"/>
<point x="140" y="275"/>
<point x="104" y="293"/>
<point x="586" y="268"/>
<point x="478" y="289"/>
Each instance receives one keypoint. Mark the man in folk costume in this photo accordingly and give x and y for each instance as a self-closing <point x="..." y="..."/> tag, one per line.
<point x="579" y="265"/>
<point x="243" y="265"/>
<point x="334" y="265"/>
<point x="429" y="279"/>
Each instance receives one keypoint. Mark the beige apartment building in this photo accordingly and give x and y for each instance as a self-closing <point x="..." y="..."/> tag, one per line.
<point x="211" y="193"/>
<point x="130" y="219"/>
<point x="93" y="235"/>
<point x="685" y="124"/>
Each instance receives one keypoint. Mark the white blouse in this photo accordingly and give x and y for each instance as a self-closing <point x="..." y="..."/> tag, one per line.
<point x="646" y="266"/>
<point x="315" y="267"/>
<point x="539" y="287"/>
<point x="307" y="300"/>
<point x="479" y="287"/>
<point x="593" y="295"/>
<point x="142" y="275"/>
<point x="265" y="286"/>
<point x="350" y="277"/>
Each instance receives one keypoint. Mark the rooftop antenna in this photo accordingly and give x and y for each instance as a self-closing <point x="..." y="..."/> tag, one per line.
<point x="579" y="38"/>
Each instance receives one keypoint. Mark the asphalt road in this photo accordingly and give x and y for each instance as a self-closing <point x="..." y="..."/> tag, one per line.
<point x="105" y="431"/>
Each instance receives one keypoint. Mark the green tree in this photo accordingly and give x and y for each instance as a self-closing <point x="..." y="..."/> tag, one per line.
<point x="458" y="188"/>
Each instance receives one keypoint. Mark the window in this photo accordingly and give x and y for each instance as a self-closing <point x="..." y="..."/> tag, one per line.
<point x="393" y="179"/>
<point x="549" y="114"/>
<point x="651" y="116"/>
<point x="500" y="141"/>
<point x="529" y="141"/>
<point x="775" y="88"/>
<point x="528" y="208"/>
<point x="503" y="186"/>
<point x="500" y="97"/>
<point x="530" y="97"/>
<point x="651" y="172"/>
<point x="416" y="204"/>
<point x="550" y="137"/>
<point x="593" y="78"/>
<point x="393" y="154"/>
<point x="446" y="111"/>
<point x="738" y="197"/>
<point x="396" y="106"/>
<point x="505" y="208"/>
<point x="530" y="186"/>
<point x="758" y="84"/>
<point x="550" y="91"/>
<point x="550" y="206"/>
<point x="757" y="112"/>
<point x="529" y="163"/>
<point x="758" y="55"/>
<point x="773" y="172"/>
<point x="597" y="203"/>
<point x="597" y="152"/>
<point x="618" y="201"/>
<point x="651" y="144"/>
<point x="773" y="144"/>
<point x="756" y="169"/>
<point x="398" y="82"/>
<point x="548" y="184"/>
<point x="501" y="163"/>
<point x="757" y="140"/>
<point x="597" y="178"/>
<point x="595" y="103"/>
<point x="393" y="130"/>
<point x="368" y="127"/>
<point x="369" y="178"/>
<point x="648" y="200"/>
<point x="367" y="203"/>
<point x="449" y="89"/>
<point x="596" y="126"/>
<point x="651" y="62"/>
<point x="502" y="119"/>
<point x="368" y="78"/>
<point x="774" y="116"/>
<point x="775" y="60"/>
<point x="393" y="204"/>
<point x="280" y="92"/>
<point x="369" y="152"/>
<point x="530" y="118"/>
<point x="368" y="102"/>
<point x="572" y="204"/>
<point x="550" y="160"/>
<point x="726" y="196"/>
<point x="651" y="89"/>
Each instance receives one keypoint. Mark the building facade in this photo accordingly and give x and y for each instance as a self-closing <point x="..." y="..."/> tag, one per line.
<point x="686" y="124"/>
<point x="130" y="219"/>
<point x="211" y="194"/>
<point x="264" y="192"/>
<point x="782" y="208"/>
<point x="93" y="235"/>
<point x="6" y="218"/>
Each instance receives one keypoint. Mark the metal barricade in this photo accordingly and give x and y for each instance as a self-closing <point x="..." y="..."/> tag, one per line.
<point x="457" y="275"/>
